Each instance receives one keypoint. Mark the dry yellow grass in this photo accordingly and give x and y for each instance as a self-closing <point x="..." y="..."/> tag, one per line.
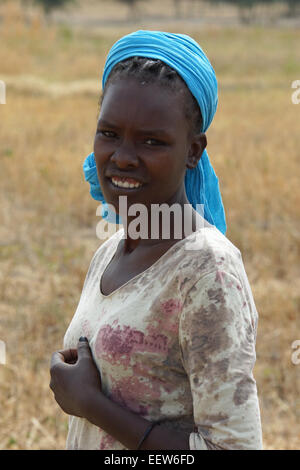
<point x="48" y="220"/>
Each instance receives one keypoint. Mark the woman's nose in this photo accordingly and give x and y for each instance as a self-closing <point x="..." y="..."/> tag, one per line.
<point x="125" y="155"/>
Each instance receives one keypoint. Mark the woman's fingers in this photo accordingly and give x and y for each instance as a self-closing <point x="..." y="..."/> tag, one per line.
<point x="56" y="358"/>
<point x="68" y="356"/>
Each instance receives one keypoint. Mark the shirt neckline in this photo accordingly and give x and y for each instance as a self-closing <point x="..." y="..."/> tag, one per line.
<point x="149" y="267"/>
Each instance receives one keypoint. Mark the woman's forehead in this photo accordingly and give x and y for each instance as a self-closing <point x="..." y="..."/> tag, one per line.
<point x="146" y="103"/>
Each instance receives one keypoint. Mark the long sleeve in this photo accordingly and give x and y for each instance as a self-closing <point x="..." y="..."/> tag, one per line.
<point x="217" y="338"/>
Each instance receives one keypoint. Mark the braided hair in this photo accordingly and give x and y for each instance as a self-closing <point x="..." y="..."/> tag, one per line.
<point x="148" y="71"/>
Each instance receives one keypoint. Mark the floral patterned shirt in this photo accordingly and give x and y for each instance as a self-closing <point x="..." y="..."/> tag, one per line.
<point x="176" y="343"/>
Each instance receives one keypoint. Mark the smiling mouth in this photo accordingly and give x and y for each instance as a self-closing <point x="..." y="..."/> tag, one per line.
<point x="127" y="184"/>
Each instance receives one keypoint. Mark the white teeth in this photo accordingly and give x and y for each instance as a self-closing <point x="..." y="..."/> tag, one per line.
<point x="124" y="184"/>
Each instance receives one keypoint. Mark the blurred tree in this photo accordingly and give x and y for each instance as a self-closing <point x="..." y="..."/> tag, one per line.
<point x="293" y="8"/>
<point x="133" y="11"/>
<point x="191" y="8"/>
<point x="49" y="5"/>
<point x="130" y="3"/>
<point x="246" y="6"/>
<point x="177" y="8"/>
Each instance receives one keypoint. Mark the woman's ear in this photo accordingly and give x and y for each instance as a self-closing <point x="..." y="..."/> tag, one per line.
<point x="197" y="147"/>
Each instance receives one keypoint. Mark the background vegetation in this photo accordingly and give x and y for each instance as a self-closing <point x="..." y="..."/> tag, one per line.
<point x="48" y="219"/>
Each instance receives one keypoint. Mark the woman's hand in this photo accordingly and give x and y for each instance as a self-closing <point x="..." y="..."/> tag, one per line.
<point x="76" y="384"/>
<point x="74" y="377"/>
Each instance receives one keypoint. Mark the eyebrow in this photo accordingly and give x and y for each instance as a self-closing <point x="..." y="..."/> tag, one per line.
<point x="105" y="123"/>
<point x="102" y="122"/>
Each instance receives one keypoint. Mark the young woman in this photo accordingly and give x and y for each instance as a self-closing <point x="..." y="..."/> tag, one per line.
<point x="161" y="349"/>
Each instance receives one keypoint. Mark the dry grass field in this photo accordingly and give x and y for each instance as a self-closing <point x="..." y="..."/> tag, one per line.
<point x="48" y="219"/>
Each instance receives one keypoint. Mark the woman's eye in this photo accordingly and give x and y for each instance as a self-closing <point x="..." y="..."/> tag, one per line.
<point x="106" y="133"/>
<point x="153" y="142"/>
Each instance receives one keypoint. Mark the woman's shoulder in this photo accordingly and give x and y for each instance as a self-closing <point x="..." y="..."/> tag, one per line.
<point x="207" y="250"/>
<point x="220" y="263"/>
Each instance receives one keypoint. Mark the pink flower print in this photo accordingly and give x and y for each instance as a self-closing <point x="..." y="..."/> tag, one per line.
<point x="135" y="392"/>
<point x="171" y="309"/>
<point x="117" y="344"/>
<point x="114" y="345"/>
<point x="171" y="306"/>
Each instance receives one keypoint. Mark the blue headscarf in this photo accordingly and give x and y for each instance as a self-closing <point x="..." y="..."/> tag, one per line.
<point x="183" y="54"/>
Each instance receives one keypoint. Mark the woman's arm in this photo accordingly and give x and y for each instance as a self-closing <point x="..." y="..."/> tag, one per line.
<point x="76" y="384"/>
<point x="217" y="338"/>
<point x="128" y="427"/>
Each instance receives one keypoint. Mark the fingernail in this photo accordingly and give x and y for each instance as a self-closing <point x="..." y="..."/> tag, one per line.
<point x="83" y="338"/>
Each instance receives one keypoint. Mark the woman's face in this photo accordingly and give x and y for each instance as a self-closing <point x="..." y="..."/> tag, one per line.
<point x="143" y="135"/>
